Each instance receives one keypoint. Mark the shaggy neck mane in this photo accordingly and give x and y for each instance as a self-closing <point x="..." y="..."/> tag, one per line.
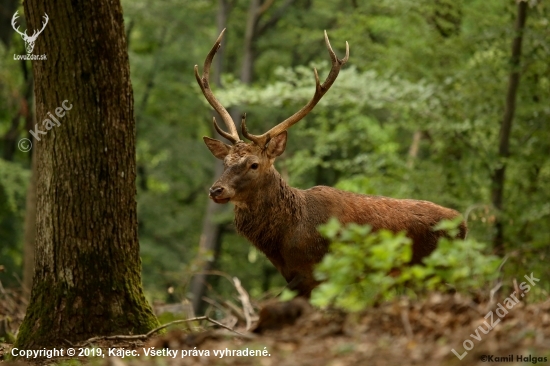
<point x="269" y="212"/>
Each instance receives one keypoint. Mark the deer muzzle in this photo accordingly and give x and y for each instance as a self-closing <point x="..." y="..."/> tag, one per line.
<point x="217" y="194"/>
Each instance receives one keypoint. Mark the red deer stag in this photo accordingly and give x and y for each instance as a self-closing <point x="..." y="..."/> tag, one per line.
<point x="282" y="221"/>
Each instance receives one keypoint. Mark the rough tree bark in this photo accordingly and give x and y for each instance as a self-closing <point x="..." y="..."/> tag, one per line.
<point x="498" y="176"/>
<point x="87" y="278"/>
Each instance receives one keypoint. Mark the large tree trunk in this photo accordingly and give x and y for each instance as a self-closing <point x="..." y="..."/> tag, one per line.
<point x="498" y="176"/>
<point x="87" y="278"/>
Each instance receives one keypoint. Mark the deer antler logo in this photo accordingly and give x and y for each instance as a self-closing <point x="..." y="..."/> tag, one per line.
<point x="29" y="41"/>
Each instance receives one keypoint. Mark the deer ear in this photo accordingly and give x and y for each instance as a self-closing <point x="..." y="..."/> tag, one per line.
<point x="276" y="145"/>
<point x="216" y="147"/>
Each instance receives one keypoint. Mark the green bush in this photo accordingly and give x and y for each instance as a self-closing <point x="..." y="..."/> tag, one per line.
<point x="356" y="272"/>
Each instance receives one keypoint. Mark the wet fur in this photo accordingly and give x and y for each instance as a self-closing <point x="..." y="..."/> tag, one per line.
<point x="281" y="221"/>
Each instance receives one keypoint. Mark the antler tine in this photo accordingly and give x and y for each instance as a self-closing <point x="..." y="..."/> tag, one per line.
<point x="223" y="133"/>
<point x="204" y="84"/>
<point x="320" y="90"/>
<point x="13" y="24"/>
<point x="247" y="135"/>
<point x="44" y="23"/>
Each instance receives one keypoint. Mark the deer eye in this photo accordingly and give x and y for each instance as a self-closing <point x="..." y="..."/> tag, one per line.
<point x="254" y="166"/>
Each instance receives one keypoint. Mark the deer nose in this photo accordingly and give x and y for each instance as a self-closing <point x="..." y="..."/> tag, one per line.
<point x="216" y="191"/>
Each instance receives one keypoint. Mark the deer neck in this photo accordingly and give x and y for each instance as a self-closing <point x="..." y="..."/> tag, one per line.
<point x="269" y="211"/>
<point x="272" y="194"/>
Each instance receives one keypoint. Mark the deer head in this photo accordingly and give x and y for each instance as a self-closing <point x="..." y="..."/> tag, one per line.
<point x="29" y="40"/>
<point x="248" y="165"/>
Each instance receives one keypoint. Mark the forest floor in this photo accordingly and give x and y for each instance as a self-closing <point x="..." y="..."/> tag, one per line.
<point x="401" y="332"/>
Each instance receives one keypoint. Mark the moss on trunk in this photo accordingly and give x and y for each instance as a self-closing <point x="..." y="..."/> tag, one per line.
<point x="87" y="279"/>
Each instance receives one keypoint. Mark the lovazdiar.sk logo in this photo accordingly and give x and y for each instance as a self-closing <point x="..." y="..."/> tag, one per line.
<point x="29" y="40"/>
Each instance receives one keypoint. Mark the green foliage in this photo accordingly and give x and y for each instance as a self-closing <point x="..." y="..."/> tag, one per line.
<point x="356" y="275"/>
<point x="435" y="68"/>
<point x="287" y="295"/>
<point x="14" y="174"/>
<point x="13" y="185"/>
<point x="13" y="189"/>
<point x="365" y="267"/>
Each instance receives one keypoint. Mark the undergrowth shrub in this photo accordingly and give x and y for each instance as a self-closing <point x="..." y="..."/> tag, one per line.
<point x="356" y="271"/>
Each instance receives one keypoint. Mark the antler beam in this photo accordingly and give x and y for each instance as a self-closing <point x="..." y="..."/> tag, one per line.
<point x="320" y="90"/>
<point x="13" y="24"/>
<point x="204" y="84"/>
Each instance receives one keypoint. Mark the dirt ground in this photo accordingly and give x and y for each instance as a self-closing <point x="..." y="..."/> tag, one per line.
<point x="401" y="332"/>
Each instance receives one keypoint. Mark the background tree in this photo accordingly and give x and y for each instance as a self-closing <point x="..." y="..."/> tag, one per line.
<point x="87" y="278"/>
<point x="210" y="239"/>
<point x="498" y="177"/>
<point x="416" y="113"/>
<point x="209" y="246"/>
<point x="17" y="97"/>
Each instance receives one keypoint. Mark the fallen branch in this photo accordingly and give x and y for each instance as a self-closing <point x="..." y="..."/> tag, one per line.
<point x="247" y="307"/>
<point x="235" y="310"/>
<point x="215" y="304"/>
<point x="143" y="337"/>
<point x="406" y="323"/>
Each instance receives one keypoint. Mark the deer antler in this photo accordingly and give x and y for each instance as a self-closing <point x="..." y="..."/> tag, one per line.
<point x="233" y="135"/>
<point x="13" y="19"/>
<point x="320" y="90"/>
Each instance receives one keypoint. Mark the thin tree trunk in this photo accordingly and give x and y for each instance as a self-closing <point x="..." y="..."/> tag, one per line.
<point x="209" y="245"/>
<point x="10" y="138"/>
<point x="30" y="228"/>
<point x="498" y="176"/>
<point x="140" y="110"/>
<point x="30" y="204"/>
<point x="12" y="135"/>
<point x="210" y="237"/>
<point x="247" y="67"/>
<point x="87" y="278"/>
<point x="413" y="149"/>
<point x="7" y="8"/>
